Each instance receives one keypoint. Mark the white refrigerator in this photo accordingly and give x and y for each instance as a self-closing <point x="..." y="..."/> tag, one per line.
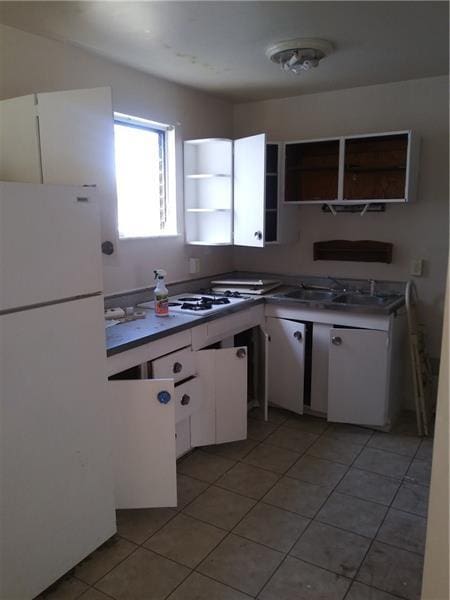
<point x="56" y="482"/>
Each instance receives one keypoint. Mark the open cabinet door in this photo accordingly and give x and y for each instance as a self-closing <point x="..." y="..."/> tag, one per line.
<point x="249" y="163"/>
<point x="77" y="145"/>
<point x="223" y="417"/>
<point x="358" y="376"/>
<point x="20" y="158"/>
<point x="286" y="363"/>
<point x="144" y="443"/>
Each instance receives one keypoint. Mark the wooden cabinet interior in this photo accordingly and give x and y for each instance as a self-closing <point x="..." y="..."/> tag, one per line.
<point x="375" y="167"/>
<point x="312" y="171"/>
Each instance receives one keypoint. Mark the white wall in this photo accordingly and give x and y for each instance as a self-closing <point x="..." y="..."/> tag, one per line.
<point x="30" y="63"/>
<point x="418" y="230"/>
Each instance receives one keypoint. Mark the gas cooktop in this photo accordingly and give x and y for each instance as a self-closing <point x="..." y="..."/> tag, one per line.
<point x="203" y="303"/>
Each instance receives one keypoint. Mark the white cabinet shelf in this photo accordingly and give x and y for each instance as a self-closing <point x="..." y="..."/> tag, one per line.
<point x="207" y="175"/>
<point x="238" y="185"/>
<point x="207" y="210"/>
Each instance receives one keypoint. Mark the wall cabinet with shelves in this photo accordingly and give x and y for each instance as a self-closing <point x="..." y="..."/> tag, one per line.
<point x="232" y="192"/>
<point x="352" y="170"/>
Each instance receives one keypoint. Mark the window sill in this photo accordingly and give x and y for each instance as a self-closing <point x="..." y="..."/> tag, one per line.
<point x="150" y="237"/>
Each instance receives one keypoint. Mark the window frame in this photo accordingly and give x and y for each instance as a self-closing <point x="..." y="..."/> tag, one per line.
<point x="165" y="132"/>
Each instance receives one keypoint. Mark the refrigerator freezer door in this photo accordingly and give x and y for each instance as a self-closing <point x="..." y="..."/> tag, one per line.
<point x="49" y="244"/>
<point x="56" y="479"/>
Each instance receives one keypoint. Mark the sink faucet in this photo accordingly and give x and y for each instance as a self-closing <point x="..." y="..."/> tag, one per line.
<point x="339" y="283"/>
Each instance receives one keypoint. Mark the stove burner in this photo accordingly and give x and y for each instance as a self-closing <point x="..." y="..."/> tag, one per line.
<point x="214" y="300"/>
<point x="197" y="307"/>
<point x="189" y="299"/>
<point x="232" y="294"/>
<point x="174" y="303"/>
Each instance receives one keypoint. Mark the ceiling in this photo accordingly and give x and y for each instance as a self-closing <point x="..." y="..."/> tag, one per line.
<point x="219" y="47"/>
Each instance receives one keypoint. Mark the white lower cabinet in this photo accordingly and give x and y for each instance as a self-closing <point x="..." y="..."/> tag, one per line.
<point x="157" y="420"/>
<point x="286" y="363"/>
<point x="358" y="376"/>
<point x="143" y="426"/>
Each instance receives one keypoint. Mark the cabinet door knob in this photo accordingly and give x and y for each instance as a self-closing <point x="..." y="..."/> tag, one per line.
<point x="298" y="335"/>
<point x="177" y="367"/>
<point x="241" y="353"/>
<point x="185" y="399"/>
<point x="164" y="397"/>
<point x="336" y="340"/>
<point x="258" y="235"/>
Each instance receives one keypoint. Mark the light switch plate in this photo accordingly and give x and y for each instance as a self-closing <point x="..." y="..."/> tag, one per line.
<point x="416" y="267"/>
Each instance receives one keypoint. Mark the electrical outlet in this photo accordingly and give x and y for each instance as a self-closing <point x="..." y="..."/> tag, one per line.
<point x="416" y="267"/>
<point x="194" y="266"/>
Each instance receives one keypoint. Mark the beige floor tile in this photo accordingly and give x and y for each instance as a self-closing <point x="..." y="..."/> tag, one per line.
<point x="143" y="576"/>
<point x="333" y="549"/>
<point x="335" y="450"/>
<point x="138" y="524"/>
<point x="317" y="471"/>
<point x="360" y="591"/>
<point x="232" y="450"/>
<point x="406" y="445"/>
<point x="185" y="540"/>
<point x="297" y="580"/>
<point x="307" y="423"/>
<point x="352" y="514"/>
<point x="248" y="480"/>
<point x="413" y="498"/>
<point x="199" y="587"/>
<point x="292" y="439"/>
<point x="297" y="496"/>
<point x="67" y="588"/>
<point x="272" y="458"/>
<point x="188" y="488"/>
<point x="204" y="466"/>
<point x="382" y="462"/>
<point x="369" y="486"/>
<point x="393" y="570"/>
<point x="404" y="530"/>
<point x="241" y="564"/>
<point x="93" y="594"/>
<point x="219" y="507"/>
<point x="349" y="433"/>
<point x="259" y="430"/>
<point x="97" y="564"/>
<point x="272" y="526"/>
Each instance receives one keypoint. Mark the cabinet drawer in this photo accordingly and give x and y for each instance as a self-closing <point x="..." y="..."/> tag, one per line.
<point x="177" y="366"/>
<point x="188" y="399"/>
<point x="212" y="332"/>
<point x="182" y="437"/>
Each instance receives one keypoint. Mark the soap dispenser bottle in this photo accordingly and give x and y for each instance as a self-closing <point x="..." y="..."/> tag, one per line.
<point x="161" y="294"/>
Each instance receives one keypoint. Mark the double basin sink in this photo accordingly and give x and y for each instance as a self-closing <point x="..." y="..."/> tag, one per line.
<point x="351" y="299"/>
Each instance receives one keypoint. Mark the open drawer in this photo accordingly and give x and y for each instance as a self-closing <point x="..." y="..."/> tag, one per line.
<point x="177" y="365"/>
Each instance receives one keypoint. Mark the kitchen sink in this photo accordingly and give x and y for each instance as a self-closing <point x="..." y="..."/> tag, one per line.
<point x="363" y="299"/>
<point x="318" y="295"/>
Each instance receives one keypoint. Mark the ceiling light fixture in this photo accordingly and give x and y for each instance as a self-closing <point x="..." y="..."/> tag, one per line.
<point x="299" y="55"/>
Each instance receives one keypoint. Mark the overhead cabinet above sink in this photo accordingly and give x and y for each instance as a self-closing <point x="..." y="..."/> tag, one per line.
<point x="232" y="193"/>
<point x="358" y="169"/>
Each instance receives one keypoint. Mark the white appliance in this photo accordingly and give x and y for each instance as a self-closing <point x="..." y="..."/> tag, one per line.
<point x="56" y="483"/>
<point x="200" y="304"/>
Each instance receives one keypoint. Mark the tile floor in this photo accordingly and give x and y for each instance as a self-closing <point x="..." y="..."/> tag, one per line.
<point x="300" y="510"/>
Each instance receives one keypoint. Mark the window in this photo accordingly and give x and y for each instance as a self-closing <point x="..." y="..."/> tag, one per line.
<point x="144" y="155"/>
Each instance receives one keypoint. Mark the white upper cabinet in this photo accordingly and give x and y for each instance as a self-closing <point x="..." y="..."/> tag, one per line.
<point x="359" y="169"/>
<point x="232" y="193"/>
<point x="20" y="158"/>
<point x="62" y="137"/>
<point x="249" y="191"/>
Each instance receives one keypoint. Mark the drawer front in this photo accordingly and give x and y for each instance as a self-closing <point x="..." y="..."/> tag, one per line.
<point x="212" y="332"/>
<point x="188" y="399"/>
<point x="177" y="366"/>
<point x="183" y="437"/>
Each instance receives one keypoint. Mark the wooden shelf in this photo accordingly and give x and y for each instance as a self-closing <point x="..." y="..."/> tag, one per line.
<point x="207" y="175"/>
